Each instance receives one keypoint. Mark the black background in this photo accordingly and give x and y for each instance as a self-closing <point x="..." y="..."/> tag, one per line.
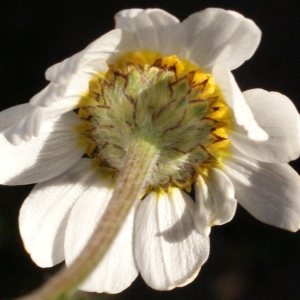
<point x="248" y="260"/>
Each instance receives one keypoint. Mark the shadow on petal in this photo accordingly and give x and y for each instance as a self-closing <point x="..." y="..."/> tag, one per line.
<point x="181" y="230"/>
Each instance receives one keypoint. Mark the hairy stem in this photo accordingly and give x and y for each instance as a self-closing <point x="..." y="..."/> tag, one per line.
<point x="138" y="163"/>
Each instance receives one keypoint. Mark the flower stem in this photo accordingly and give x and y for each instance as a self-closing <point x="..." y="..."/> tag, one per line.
<point x="138" y="162"/>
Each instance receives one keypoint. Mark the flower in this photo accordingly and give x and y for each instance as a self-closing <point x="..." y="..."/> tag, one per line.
<point x="169" y="83"/>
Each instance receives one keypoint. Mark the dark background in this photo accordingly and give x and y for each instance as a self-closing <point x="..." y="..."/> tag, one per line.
<point x="248" y="260"/>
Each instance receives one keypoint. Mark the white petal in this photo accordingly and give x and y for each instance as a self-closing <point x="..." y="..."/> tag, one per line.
<point x="71" y="77"/>
<point x="48" y="95"/>
<point x="215" y="203"/>
<point x="75" y="86"/>
<point x="168" y="249"/>
<point x="78" y="83"/>
<point x="277" y="115"/>
<point x="270" y="192"/>
<point x="60" y="72"/>
<point x="117" y="270"/>
<point x="13" y="114"/>
<point x="155" y="30"/>
<point x="123" y="17"/>
<point x="101" y="49"/>
<point x="29" y="125"/>
<point x="52" y="153"/>
<point x="215" y="36"/>
<point x="25" y="128"/>
<point x="45" y="213"/>
<point x="107" y="48"/>
<point x="236" y="101"/>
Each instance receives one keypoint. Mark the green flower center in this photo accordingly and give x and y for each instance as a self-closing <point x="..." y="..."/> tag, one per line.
<point x="168" y="103"/>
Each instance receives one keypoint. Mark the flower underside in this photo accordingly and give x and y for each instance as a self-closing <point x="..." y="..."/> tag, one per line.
<point x="164" y="101"/>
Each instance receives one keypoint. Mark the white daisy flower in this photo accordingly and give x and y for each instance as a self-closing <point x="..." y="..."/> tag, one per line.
<point x="170" y="84"/>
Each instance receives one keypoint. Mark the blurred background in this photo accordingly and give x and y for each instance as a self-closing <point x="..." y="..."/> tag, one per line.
<point x="248" y="260"/>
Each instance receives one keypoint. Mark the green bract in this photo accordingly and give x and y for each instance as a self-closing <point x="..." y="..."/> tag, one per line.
<point x="174" y="110"/>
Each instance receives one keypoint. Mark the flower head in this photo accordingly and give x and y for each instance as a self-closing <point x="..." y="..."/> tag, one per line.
<point x="168" y="83"/>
